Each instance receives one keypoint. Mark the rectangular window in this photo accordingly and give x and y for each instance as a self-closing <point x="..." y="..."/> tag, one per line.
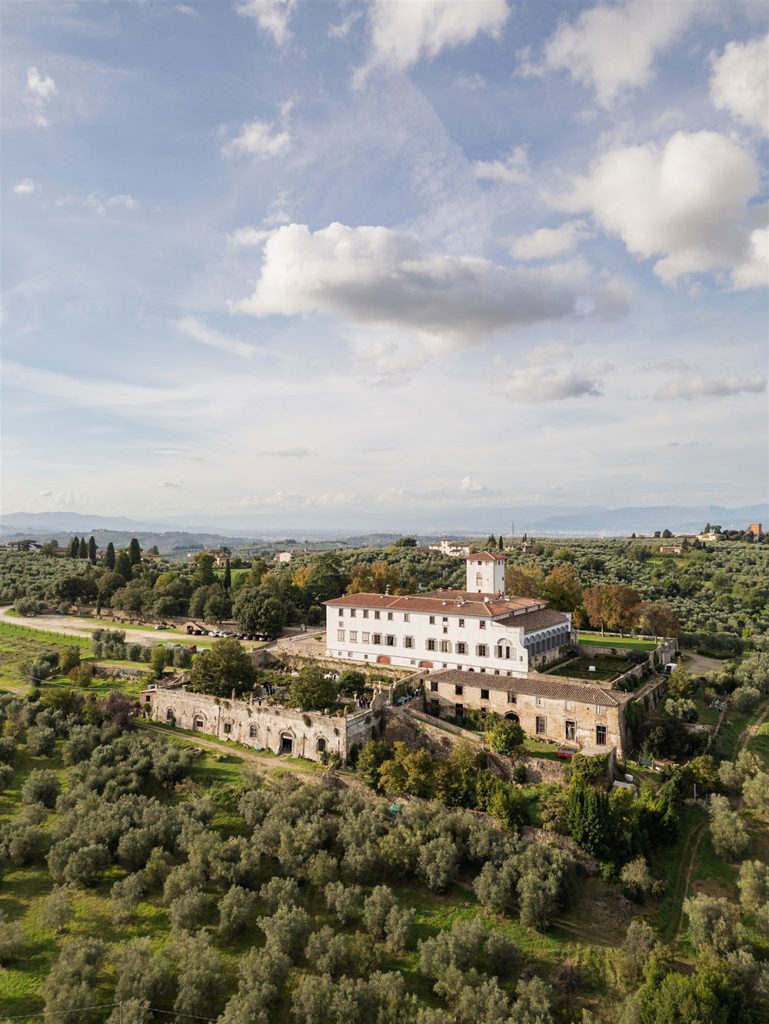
<point x="445" y="618"/>
<point x="599" y="709"/>
<point x="445" y="630"/>
<point x="341" y="612"/>
<point x="432" y="620"/>
<point x="481" y="650"/>
<point x="376" y="615"/>
<point x="461" y="623"/>
<point x="541" y="725"/>
<point x="408" y="641"/>
<point x="353" y="636"/>
<point x="482" y="624"/>
<point x="511" y="698"/>
<point x="484" y="694"/>
<point x="446" y="646"/>
<point x="365" y="637"/>
<point x="365" y="613"/>
<point x="227" y="728"/>
<point x="433" y="685"/>
<point x="390" y="640"/>
<point x="352" y="613"/>
<point x="406" y="617"/>
<point x="540" y="702"/>
<point x="376" y="638"/>
<point x="340" y="635"/>
<point x="430" y="645"/>
<point x="389" y="616"/>
<point x="571" y="730"/>
<point x="459" y="689"/>
<point x="600" y="735"/>
<point x="461" y="647"/>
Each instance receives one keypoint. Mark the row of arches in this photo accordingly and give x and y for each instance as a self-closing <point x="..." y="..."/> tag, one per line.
<point x="286" y="740"/>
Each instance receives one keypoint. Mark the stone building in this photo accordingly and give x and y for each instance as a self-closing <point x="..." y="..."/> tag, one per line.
<point x="478" y="628"/>
<point x="552" y="708"/>
<point x="282" y="730"/>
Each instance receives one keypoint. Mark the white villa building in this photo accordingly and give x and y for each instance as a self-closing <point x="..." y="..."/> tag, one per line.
<point x="478" y="629"/>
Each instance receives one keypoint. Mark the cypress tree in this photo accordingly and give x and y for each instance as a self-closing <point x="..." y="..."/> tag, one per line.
<point x="227" y="576"/>
<point x="82" y="549"/>
<point x="123" y="566"/>
<point x="92" y="550"/>
<point x="74" y="547"/>
<point x="134" y="551"/>
<point x="109" y="558"/>
<point x="501" y="543"/>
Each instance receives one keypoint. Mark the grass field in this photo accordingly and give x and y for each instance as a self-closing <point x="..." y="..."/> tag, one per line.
<point x="634" y="643"/>
<point x="19" y="644"/>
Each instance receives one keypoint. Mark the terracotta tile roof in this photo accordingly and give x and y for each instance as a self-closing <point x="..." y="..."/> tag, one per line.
<point x="534" y="620"/>
<point x="485" y="556"/>
<point x="536" y="685"/>
<point x="442" y="602"/>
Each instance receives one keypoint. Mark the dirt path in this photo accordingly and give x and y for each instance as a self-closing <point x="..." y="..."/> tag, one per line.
<point x="73" y="625"/>
<point x="751" y="729"/>
<point x="683" y="879"/>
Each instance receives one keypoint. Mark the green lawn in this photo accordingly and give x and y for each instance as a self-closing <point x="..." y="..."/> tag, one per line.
<point x="635" y="643"/>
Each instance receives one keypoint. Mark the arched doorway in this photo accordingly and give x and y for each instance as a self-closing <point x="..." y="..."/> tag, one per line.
<point x="170" y="716"/>
<point x="198" y="722"/>
<point x="512" y="717"/>
<point x="321" y="745"/>
<point x="286" y="743"/>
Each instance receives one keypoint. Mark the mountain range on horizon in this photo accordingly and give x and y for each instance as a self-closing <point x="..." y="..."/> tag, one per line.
<point x="546" y="520"/>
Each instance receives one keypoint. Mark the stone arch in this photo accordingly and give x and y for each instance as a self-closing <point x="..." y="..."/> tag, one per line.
<point x="198" y="722"/>
<point x="253" y="730"/>
<point x="511" y="716"/>
<point x="321" y="745"/>
<point x="170" y="715"/>
<point x="287" y="740"/>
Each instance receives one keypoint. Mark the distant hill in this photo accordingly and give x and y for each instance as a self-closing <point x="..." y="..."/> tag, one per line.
<point x="537" y="520"/>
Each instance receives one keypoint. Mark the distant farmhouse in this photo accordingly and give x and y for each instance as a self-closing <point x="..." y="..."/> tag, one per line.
<point x="479" y="628"/>
<point x="445" y="547"/>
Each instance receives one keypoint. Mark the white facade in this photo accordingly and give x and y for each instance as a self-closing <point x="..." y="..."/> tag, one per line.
<point x="447" y="548"/>
<point x="476" y="630"/>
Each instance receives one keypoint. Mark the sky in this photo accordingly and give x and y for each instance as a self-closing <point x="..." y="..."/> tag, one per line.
<point x="284" y="256"/>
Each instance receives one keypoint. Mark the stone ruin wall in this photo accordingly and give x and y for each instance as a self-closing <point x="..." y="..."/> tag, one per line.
<point x="264" y="727"/>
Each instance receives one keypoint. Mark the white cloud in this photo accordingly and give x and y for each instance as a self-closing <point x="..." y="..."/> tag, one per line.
<point x="187" y="9"/>
<point x="41" y="89"/>
<point x="259" y="139"/>
<point x="469" y="483"/>
<point x="341" y="29"/>
<point x="686" y="202"/>
<point x="404" y="33"/>
<point x="380" y="277"/>
<point x="611" y="48"/>
<point x="547" y="243"/>
<point x="740" y="82"/>
<point x="753" y="270"/>
<point x="700" y="387"/>
<point x="25" y="187"/>
<point x="102" y="204"/>
<point x="248" y="236"/>
<point x="549" y="384"/>
<point x="197" y="331"/>
<point x="272" y="16"/>
<point x="513" y="170"/>
<point x="289" y="453"/>
<point x="178" y="482"/>
<point x="42" y="86"/>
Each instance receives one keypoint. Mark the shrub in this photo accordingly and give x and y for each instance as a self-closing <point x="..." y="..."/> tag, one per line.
<point x="41" y="786"/>
<point x="41" y="740"/>
<point x="189" y="911"/>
